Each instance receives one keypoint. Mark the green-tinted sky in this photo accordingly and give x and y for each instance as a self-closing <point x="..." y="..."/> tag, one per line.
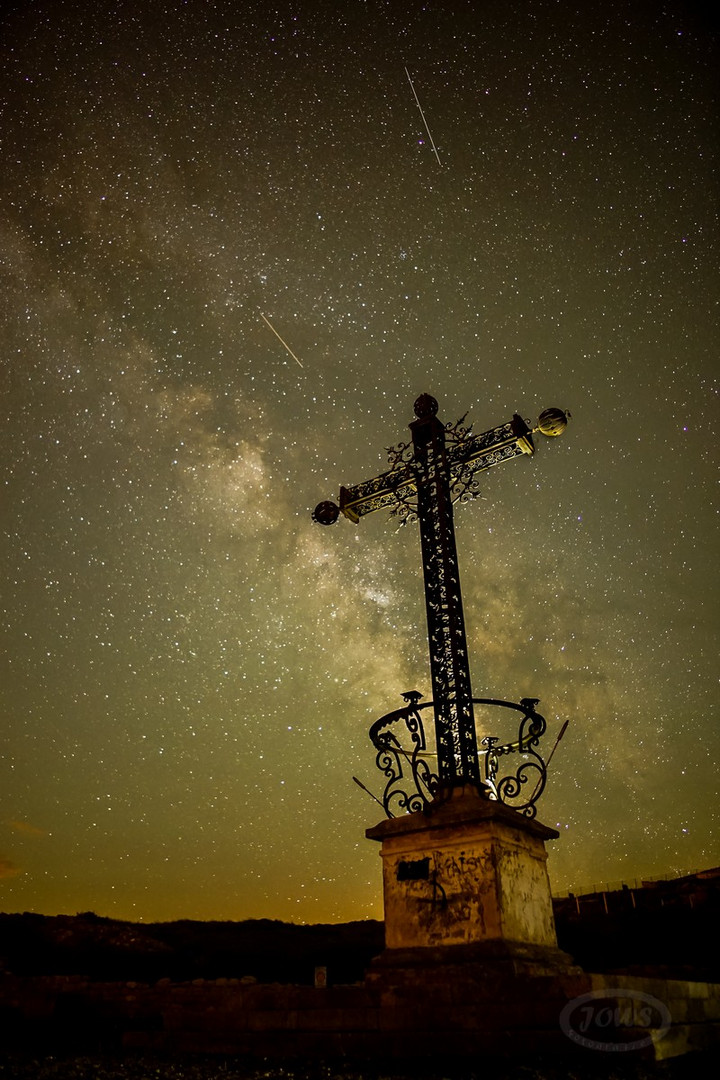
<point x="189" y="664"/>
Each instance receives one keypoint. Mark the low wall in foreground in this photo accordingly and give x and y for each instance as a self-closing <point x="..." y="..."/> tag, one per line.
<point x="479" y="1014"/>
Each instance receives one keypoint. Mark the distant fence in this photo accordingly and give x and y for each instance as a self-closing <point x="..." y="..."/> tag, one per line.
<point x="618" y="886"/>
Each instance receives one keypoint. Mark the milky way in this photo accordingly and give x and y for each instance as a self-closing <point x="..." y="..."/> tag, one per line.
<point x="190" y="664"/>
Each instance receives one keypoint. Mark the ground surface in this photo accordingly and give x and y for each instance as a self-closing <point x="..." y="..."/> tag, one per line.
<point x="601" y="1067"/>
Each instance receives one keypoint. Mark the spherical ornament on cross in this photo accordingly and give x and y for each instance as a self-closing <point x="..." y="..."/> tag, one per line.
<point x="426" y="405"/>
<point x="326" y="513"/>
<point x="552" y="422"/>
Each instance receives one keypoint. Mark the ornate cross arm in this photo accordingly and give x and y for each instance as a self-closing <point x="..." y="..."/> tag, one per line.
<point x="468" y="455"/>
<point x="492" y="447"/>
<point x="381" y="491"/>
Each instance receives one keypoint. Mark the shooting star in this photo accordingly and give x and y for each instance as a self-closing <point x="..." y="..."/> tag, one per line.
<point x="417" y="101"/>
<point x="284" y="343"/>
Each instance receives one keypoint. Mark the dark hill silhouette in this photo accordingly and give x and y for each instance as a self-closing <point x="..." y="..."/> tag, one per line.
<point x="109" y="949"/>
<point x="667" y="928"/>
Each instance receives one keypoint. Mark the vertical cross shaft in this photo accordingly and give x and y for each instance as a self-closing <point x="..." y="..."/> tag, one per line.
<point x="449" y="667"/>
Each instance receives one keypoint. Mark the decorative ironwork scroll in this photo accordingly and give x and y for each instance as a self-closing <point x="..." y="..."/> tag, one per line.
<point x="407" y="757"/>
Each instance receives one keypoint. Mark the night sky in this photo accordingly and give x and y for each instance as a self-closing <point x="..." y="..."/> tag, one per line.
<point x="190" y="664"/>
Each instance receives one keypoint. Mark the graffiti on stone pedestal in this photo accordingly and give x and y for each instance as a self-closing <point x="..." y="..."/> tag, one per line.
<point x="448" y="894"/>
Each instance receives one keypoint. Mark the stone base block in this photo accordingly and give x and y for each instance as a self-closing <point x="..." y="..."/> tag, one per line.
<point x="474" y="964"/>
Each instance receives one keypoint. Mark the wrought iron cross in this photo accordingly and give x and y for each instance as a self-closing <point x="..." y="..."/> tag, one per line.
<point x="438" y="469"/>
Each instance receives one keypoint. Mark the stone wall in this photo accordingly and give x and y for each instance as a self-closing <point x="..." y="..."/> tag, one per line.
<point x="464" y="1015"/>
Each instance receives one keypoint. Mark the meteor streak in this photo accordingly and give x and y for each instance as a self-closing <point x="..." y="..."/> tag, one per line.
<point x="284" y="343"/>
<point x="417" y="101"/>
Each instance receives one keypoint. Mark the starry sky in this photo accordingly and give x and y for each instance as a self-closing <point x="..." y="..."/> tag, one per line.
<point x="190" y="664"/>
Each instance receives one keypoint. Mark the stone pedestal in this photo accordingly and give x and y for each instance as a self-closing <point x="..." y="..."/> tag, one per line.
<point x="465" y="883"/>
